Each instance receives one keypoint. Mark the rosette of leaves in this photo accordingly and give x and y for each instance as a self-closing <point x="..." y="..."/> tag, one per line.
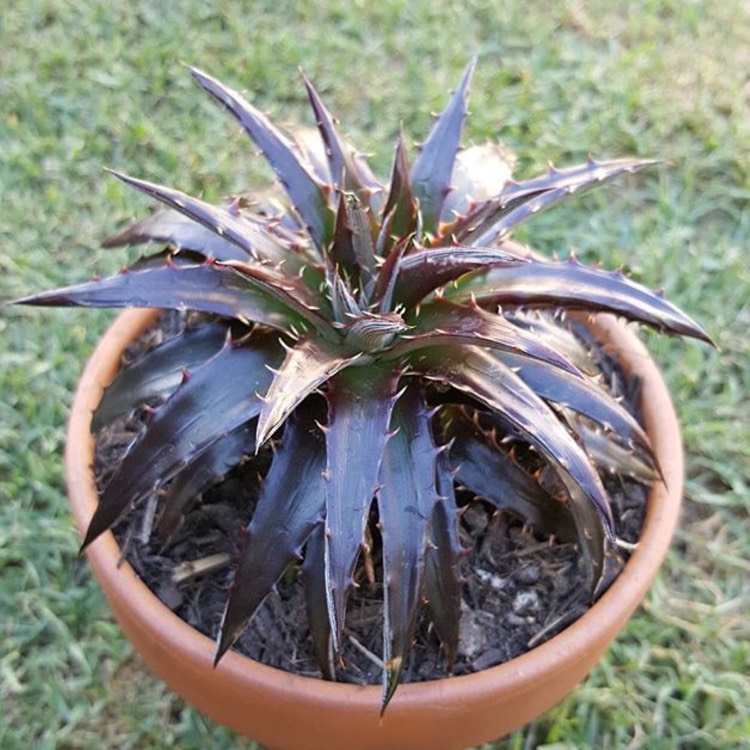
<point x="391" y="346"/>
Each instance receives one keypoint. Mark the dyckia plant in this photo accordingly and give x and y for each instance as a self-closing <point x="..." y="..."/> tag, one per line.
<point x="387" y="341"/>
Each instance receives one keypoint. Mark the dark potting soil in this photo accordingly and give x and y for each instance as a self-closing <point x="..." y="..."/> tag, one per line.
<point x="520" y="589"/>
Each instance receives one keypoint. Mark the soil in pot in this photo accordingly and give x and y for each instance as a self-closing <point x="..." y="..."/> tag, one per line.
<point x="520" y="589"/>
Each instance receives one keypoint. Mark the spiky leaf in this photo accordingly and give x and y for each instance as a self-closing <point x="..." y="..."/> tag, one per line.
<point x="217" y="398"/>
<point x="498" y="216"/>
<point x="485" y="469"/>
<point x="208" y="287"/>
<point x="482" y="377"/>
<point x="307" y="365"/>
<point x="400" y="210"/>
<point x="423" y="271"/>
<point x="571" y="285"/>
<point x="406" y="500"/>
<point x="207" y="469"/>
<point x="360" y="402"/>
<point x="251" y="237"/>
<point x="158" y="372"/>
<point x="442" y="564"/>
<point x="582" y="395"/>
<point x="305" y="192"/>
<point x="610" y="455"/>
<point x="432" y="170"/>
<point x="178" y="231"/>
<point x="316" y="605"/>
<point x="444" y="323"/>
<point x="291" y="503"/>
<point x="342" y="161"/>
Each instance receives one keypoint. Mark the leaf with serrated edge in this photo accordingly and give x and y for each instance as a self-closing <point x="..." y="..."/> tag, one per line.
<point x="540" y="323"/>
<point x="573" y="286"/>
<point x="579" y="394"/>
<point x="480" y="375"/>
<point x="305" y="192"/>
<point x="432" y="170"/>
<point x="216" y="398"/>
<point x="340" y="253"/>
<point x="158" y="372"/>
<point x="294" y="292"/>
<point x="444" y="323"/>
<point x="388" y="275"/>
<point x="485" y="223"/>
<point x="442" y="561"/>
<point x="342" y="161"/>
<point x="307" y="365"/>
<point x="485" y="469"/>
<point x="424" y="271"/>
<point x="247" y="235"/>
<point x="363" y="245"/>
<point x="612" y="456"/>
<point x="171" y="227"/>
<point x="401" y="207"/>
<point x="201" y="473"/>
<point x="210" y="287"/>
<point x="314" y="573"/>
<point x="406" y="500"/>
<point x="360" y="401"/>
<point x="291" y="503"/>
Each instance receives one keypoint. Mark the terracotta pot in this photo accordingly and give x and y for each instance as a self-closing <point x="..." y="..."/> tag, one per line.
<point x="287" y="712"/>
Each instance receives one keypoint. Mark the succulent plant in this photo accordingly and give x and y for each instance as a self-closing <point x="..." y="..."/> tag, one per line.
<point x="387" y="340"/>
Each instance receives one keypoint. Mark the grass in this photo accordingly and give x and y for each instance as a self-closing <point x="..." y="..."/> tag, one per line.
<point x="85" y="85"/>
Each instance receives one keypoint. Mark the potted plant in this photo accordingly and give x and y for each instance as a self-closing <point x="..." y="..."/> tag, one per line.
<point x="402" y="357"/>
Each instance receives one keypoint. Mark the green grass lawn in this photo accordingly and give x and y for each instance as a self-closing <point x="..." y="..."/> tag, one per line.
<point x="84" y="86"/>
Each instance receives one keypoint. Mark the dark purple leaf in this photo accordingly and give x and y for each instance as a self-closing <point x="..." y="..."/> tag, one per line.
<point x="342" y="160"/>
<point x="205" y="470"/>
<point x="308" y="364"/>
<point x="305" y="192"/>
<point x="363" y="245"/>
<point x="401" y="207"/>
<point x="341" y="251"/>
<point x="496" y="217"/>
<point x="444" y="323"/>
<point x="158" y="372"/>
<point x="250" y="236"/>
<point x="432" y="170"/>
<point x="360" y="401"/>
<point x="345" y="307"/>
<point x="293" y="292"/>
<point x="314" y="573"/>
<point x="406" y="500"/>
<point x="481" y="376"/>
<point x="542" y="324"/>
<point x="442" y="565"/>
<point x="291" y="503"/>
<point x="570" y="285"/>
<point x="215" y="399"/>
<point x="180" y="232"/>
<point x="388" y="275"/>
<point x="610" y="455"/>
<point x="486" y="469"/>
<point x="579" y="394"/>
<point x="209" y="287"/>
<point x="424" y="271"/>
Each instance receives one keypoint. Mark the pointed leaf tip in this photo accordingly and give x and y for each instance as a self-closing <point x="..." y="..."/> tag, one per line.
<point x="307" y="194"/>
<point x="431" y="174"/>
